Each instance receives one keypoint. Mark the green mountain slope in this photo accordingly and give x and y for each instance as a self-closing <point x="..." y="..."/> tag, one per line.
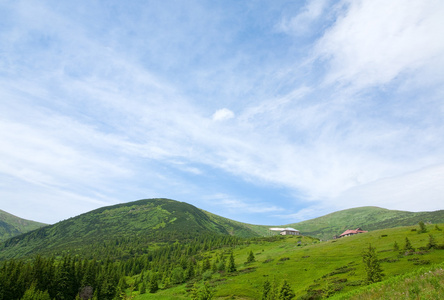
<point x="368" y="218"/>
<point x="148" y="221"/>
<point x="313" y="269"/>
<point x="11" y="225"/>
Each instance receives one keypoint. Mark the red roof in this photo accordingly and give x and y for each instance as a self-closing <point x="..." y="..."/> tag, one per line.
<point x="356" y="231"/>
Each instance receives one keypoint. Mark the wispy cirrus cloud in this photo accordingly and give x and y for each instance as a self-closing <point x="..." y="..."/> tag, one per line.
<point x="304" y="21"/>
<point x="373" y="43"/>
<point x="138" y="101"/>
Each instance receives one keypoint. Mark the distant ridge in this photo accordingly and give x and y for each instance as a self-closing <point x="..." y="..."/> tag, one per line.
<point x="367" y="218"/>
<point x="11" y="225"/>
<point x="158" y="221"/>
<point x="148" y="221"/>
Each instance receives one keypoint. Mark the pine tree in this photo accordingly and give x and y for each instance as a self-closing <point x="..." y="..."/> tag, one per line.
<point x="121" y="287"/>
<point x="177" y="275"/>
<point x="372" y="265"/>
<point x="432" y="242"/>
<point x="266" y="290"/>
<point x="286" y="293"/>
<point x="195" y="292"/>
<point x="201" y="293"/>
<point x="206" y="293"/>
<point x="231" y="265"/>
<point x="422" y="227"/>
<point x="206" y="265"/>
<point x="214" y="266"/>
<point x="142" y="288"/>
<point x="273" y="293"/>
<point x="33" y="294"/>
<point x="408" y="246"/>
<point x="153" y="286"/>
<point x="250" y="258"/>
<point x="189" y="272"/>
<point x="396" y="246"/>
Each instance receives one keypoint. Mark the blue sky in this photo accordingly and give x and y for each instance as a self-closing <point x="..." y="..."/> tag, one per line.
<point x="266" y="112"/>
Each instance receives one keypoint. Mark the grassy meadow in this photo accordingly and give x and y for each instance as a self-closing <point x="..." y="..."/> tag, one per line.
<point x="318" y="269"/>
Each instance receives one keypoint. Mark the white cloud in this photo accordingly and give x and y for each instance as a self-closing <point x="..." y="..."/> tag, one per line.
<point x="373" y="42"/>
<point x="421" y="190"/>
<point x="222" y="114"/>
<point x="303" y="22"/>
<point x="84" y="112"/>
<point x="237" y="205"/>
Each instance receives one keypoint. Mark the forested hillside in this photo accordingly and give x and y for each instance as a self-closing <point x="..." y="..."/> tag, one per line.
<point x="165" y="249"/>
<point x="11" y="225"/>
<point x="144" y="222"/>
<point x="215" y="266"/>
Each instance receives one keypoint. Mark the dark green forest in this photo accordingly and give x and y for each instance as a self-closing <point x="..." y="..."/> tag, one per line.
<point x="100" y="273"/>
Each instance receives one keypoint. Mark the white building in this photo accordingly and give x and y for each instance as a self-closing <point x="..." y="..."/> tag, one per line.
<point x="286" y="231"/>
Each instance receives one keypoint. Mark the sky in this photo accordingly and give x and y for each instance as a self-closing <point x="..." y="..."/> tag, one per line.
<point x="265" y="112"/>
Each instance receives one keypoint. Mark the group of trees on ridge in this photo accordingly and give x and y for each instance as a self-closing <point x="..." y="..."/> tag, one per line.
<point x="101" y="275"/>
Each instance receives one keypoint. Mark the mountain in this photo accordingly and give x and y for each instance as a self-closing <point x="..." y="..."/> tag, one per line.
<point x="144" y="222"/>
<point x="11" y="225"/>
<point x="169" y="248"/>
<point x="367" y="218"/>
<point x="150" y="222"/>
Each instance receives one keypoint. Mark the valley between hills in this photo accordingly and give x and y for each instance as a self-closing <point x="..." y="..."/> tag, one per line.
<point x="166" y="249"/>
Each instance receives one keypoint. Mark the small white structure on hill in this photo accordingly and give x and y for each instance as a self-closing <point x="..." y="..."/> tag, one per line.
<point x="286" y="231"/>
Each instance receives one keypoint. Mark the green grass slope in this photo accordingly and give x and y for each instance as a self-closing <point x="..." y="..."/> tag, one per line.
<point x="368" y="218"/>
<point x="149" y="220"/>
<point x="316" y="269"/>
<point x="11" y="225"/>
<point x="425" y="283"/>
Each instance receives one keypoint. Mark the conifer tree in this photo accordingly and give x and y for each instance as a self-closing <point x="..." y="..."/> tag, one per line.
<point x="221" y="265"/>
<point x="372" y="265"/>
<point x="33" y="294"/>
<point x="266" y="290"/>
<point x="195" y="292"/>
<point x="432" y="242"/>
<point x="142" y="287"/>
<point x="121" y="287"/>
<point x="422" y="227"/>
<point x="206" y="265"/>
<point x="251" y="257"/>
<point x="273" y="290"/>
<point x="214" y="265"/>
<point x="231" y="265"/>
<point x="286" y="293"/>
<point x="177" y="275"/>
<point x="206" y="293"/>
<point x="189" y="272"/>
<point x="396" y="246"/>
<point x="408" y="246"/>
<point x="153" y="286"/>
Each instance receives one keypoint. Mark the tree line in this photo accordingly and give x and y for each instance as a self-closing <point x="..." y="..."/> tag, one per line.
<point x="101" y="273"/>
